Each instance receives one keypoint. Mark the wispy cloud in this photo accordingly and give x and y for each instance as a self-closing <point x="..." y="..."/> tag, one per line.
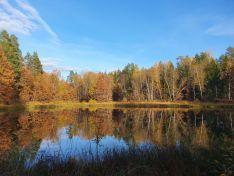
<point x="222" y="29"/>
<point x="22" y="19"/>
<point x="50" y="64"/>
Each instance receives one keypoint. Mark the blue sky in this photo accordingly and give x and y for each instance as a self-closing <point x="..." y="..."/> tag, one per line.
<point x="103" y="35"/>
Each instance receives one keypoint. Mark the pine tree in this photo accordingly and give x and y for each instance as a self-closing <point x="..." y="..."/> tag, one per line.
<point x="33" y="63"/>
<point x="6" y="79"/>
<point x="213" y="80"/>
<point x="37" y="66"/>
<point x="28" y="60"/>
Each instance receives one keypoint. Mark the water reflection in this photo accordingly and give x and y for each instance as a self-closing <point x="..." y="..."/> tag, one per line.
<point x="76" y="132"/>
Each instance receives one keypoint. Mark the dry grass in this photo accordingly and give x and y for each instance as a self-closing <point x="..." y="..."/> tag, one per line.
<point x="61" y="105"/>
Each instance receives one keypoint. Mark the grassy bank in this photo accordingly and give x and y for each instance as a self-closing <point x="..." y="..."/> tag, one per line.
<point x="129" y="162"/>
<point x="31" y="106"/>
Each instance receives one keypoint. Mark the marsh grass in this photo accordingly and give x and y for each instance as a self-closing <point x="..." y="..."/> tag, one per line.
<point x="133" y="161"/>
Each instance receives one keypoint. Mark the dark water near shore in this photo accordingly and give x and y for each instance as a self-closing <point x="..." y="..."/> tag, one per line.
<point x="85" y="132"/>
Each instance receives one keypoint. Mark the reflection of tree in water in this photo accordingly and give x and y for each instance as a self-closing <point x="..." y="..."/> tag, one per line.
<point x="98" y="135"/>
<point x="70" y="131"/>
<point x="201" y="138"/>
<point x="8" y="129"/>
<point x="31" y="149"/>
<point x="117" y="116"/>
<point x="101" y="129"/>
<point x="128" y="131"/>
<point x="214" y="125"/>
<point x="221" y="123"/>
<point x="37" y="125"/>
<point x="26" y="130"/>
<point x="160" y="127"/>
<point x="176" y="128"/>
<point x="163" y="127"/>
<point x="125" y="125"/>
<point x="96" y="122"/>
<point x="94" y="125"/>
<point x="157" y="131"/>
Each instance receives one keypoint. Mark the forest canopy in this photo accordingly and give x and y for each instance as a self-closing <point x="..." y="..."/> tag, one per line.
<point x="201" y="77"/>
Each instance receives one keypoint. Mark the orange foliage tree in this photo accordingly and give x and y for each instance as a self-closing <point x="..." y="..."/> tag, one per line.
<point x="42" y="88"/>
<point x="6" y="79"/>
<point x="103" y="88"/>
<point x="66" y="91"/>
<point x="26" y="85"/>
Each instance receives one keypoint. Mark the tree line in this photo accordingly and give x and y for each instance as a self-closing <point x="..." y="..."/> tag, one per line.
<point x="201" y="77"/>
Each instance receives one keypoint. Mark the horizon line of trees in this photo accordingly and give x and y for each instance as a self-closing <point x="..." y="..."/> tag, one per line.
<point x="201" y="77"/>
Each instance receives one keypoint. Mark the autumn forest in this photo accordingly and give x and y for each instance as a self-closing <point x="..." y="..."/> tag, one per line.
<point x="200" y="77"/>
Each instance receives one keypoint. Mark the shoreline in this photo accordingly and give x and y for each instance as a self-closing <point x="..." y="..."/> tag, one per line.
<point x="30" y="106"/>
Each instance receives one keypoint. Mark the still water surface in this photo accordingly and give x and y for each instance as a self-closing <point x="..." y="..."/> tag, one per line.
<point x="86" y="133"/>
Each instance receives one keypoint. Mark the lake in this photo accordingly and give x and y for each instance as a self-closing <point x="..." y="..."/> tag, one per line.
<point x="85" y="133"/>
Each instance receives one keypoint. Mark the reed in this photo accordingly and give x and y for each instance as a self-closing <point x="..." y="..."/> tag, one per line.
<point x="150" y="160"/>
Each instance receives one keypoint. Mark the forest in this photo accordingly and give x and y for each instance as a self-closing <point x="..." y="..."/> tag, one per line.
<point x="193" y="78"/>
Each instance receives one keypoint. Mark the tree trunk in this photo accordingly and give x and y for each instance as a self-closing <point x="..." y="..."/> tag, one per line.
<point x="160" y="92"/>
<point x="152" y="90"/>
<point x="169" y="91"/>
<point x="148" y="90"/>
<point x="173" y="88"/>
<point x="201" y="93"/>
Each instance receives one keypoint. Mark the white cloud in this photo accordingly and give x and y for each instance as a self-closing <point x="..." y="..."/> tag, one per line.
<point x="50" y="64"/>
<point x="22" y="19"/>
<point x="222" y="29"/>
<point x="68" y="68"/>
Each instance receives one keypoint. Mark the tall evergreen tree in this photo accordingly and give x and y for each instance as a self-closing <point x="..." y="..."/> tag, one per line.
<point x="10" y="46"/>
<point x="213" y="82"/>
<point x="71" y="77"/>
<point x="33" y="63"/>
<point x="127" y="74"/>
<point x="28" y="59"/>
<point x="37" y="64"/>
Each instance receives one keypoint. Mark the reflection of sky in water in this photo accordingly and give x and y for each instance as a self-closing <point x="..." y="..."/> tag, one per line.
<point x="78" y="146"/>
<point x="82" y="148"/>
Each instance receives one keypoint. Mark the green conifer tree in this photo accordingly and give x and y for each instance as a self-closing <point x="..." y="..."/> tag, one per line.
<point x="10" y="46"/>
